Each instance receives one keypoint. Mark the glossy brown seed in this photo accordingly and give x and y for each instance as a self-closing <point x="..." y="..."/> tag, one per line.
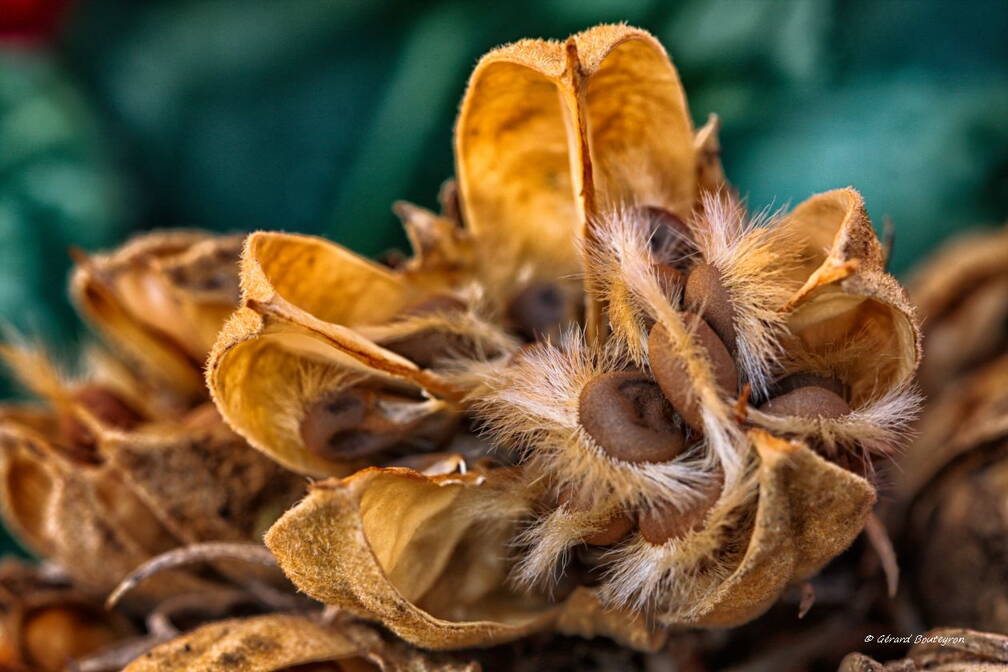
<point x="348" y="425"/>
<point x="629" y="418"/>
<point x="670" y="239"/>
<point x="796" y="380"/>
<point x="670" y="370"/>
<point x="658" y="525"/>
<point x="808" y="402"/>
<point x="706" y="295"/>
<point x="540" y="311"/>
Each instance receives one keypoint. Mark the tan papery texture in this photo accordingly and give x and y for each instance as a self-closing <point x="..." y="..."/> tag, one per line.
<point x="426" y="556"/>
<point x="278" y="642"/>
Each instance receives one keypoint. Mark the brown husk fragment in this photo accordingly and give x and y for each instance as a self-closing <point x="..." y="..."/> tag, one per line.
<point x="283" y="643"/>
<point x="161" y="300"/>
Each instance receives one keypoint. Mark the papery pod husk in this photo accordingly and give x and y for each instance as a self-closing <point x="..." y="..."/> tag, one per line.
<point x="961" y="292"/>
<point x="848" y="318"/>
<point x="948" y="503"/>
<point x="551" y="134"/>
<point x="82" y="516"/>
<point x="44" y="621"/>
<point x="954" y="650"/>
<point x="161" y="299"/>
<point x="279" y="642"/>
<point x="809" y="510"/>
<point x="203" y="482"/>
<point x="294" y="340"/>
<point x="427" y="556"/>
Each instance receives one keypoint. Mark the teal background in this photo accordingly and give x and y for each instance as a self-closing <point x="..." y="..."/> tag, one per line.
<point x="312" y="115"/>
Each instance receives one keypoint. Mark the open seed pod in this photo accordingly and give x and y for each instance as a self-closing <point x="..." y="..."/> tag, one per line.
<point x="161" y="299"/>
<point x="950" y="503"/>
<point x="333" y="362"/>
<point x="44" y="622"/>
<point x="942" y="650"/>
<point x="289" y="643"/>
<point x="962" y="295"/>
<point x="427" y="556"/>
<point x="91" y="485"/>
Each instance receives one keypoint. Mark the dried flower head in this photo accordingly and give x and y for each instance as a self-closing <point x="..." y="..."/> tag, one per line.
<point x="687" y="400"/>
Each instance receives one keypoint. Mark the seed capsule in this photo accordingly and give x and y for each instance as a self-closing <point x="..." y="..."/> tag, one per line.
<point x="808" y="402"/>
<point x="670" y="370"/>
<point x="658" y="525"/>
<point x="629" y="418"/>
<point x="706" y="295"/>
<point x="540" y="311"/>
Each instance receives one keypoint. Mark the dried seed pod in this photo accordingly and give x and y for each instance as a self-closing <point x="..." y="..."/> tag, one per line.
<point x="949" y="502"/>
<point x="44" y="622"/>
<point x="942" y="650"/>
<point x="285" y="643"/>
<point x="314" y="314"/>
<point x="962" y="295"/>
<point x="161" y="299"/>
<point x="422" y="556"/>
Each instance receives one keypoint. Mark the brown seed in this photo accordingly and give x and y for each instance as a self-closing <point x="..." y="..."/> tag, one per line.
<point x="658" y="525"/>
<point x="670" y="370"/>
<point x="808" y="402"/>
<point x="670" y="239"/>
<point x="615" y="528"/>
<point x="427" y="347"/>
<point x="348" y="425"/>
<point x="540" y="311"/>
<point x="796" y="380"/>
<point x="629" y="418"/>
<point x="706" y="295"/>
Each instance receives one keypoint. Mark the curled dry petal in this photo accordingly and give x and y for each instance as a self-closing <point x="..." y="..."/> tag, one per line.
<point x="161" y="300"/>
<point x="279" y="642"/>
<point x="426" y="557"/>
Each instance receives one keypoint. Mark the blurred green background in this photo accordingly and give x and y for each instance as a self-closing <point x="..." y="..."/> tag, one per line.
<point x="314" y="115"/>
